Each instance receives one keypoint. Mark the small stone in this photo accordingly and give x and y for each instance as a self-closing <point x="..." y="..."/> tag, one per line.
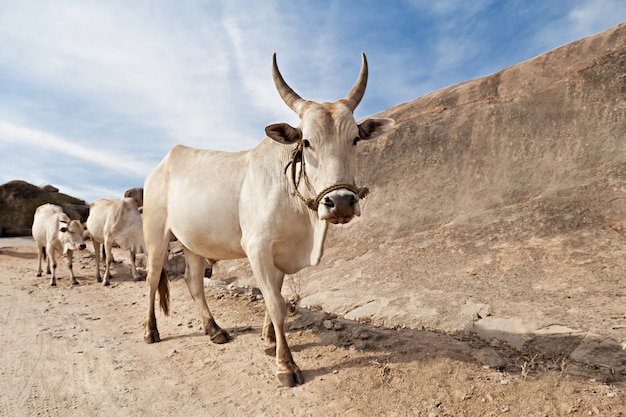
<point x="328" y="324"/>
<point x="490" y="358"/>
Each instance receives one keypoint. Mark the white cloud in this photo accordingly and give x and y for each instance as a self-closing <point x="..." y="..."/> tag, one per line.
<point x="587" y="18"/>
<point x="42" y="142"/>
<point x="143" y="65"/>
<point x="594" y="16"/>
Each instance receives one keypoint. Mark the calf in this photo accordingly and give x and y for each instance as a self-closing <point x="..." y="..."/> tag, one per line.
<point x="54" y="231"/>
<point x="115" y="221"/>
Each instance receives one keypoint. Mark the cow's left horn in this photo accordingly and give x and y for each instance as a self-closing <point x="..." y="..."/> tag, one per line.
<point x="290" y="97"/>
<point x="353" y="98"/>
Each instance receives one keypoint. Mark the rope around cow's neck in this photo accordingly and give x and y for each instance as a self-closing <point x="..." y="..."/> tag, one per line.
<point x="313" y="203"/>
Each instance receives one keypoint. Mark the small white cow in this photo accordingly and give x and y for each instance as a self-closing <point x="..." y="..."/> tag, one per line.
<point x="54" y="231"/>
<point x="271" y="204"/>
<point x="118" y="222"/>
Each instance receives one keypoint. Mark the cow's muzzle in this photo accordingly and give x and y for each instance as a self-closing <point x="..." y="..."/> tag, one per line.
<point x="339" y="203"/>
<point x="339" y="207"/>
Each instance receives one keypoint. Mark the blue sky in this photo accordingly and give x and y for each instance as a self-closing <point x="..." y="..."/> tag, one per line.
<point x="93" y="94"/>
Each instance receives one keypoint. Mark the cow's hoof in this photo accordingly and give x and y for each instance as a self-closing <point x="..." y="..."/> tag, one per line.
<point x="106" y="283"/>
<point x="99" y="279"/>
<point x="270" y="350"/>
<point x="152" y="337"/>
<point x="38" y="274"/>
<point x="290" y="379"/>
<point x="75" y="283"/>
<point x="53" y="284"/>
<point x="220" y="337"/>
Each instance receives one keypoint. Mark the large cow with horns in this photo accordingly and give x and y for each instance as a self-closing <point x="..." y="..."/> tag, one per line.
<point x="271" y="204"/>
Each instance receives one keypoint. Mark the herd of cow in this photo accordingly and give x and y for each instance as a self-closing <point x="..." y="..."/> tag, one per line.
<point x="271" y="204"/>
<point x="110" y="222"/>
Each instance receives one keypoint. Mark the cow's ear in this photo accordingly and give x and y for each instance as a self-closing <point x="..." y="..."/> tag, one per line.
<point x="283" y="133"/>
<point x="372" y="128"/>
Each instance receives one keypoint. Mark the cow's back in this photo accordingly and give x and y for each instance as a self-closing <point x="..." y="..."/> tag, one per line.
<point x="195" y="193"/>
<point x="120" y="220"/>
<point x="99" y="213"/>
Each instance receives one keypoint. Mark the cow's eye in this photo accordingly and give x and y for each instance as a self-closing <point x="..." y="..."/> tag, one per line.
<point x="356" y="140"/>
<point x="306" y="143"/>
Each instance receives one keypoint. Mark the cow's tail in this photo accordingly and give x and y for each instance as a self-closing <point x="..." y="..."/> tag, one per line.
<point x="164" y="293"/>
<point x="43" y="252"/>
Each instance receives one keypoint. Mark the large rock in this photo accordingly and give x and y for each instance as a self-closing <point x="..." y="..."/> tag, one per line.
<point x="19" y="200"/>
<point x="501" y="199"/>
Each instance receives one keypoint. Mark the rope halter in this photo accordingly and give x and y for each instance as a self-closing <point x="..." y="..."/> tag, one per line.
<point x="313" y="203"/>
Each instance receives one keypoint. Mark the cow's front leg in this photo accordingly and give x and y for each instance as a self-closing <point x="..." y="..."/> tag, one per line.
<point x="194" y="277"/>
<point x="133" y="267"/>
<point x="52" y="260"/>
<point x="70" y="262"/>
<point x="270" y="281"/>
<point x="288" y="372"/>
<point x="40" y="251"/>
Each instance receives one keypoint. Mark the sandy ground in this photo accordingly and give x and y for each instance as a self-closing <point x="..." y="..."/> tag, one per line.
<point x="78" y="351"/>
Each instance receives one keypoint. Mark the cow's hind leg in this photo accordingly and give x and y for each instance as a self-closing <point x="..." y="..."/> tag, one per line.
<point x="194" y="276"/>
<point x="96" y="255"/>
<point x="157" y="280"/>
<point x="41" y="252"/>
<point x="108" y="248"/>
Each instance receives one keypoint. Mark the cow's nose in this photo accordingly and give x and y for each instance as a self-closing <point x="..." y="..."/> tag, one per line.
<point x="341" y="205"/>
<point x="340" y="202"/>
<point x="82" y="246"/>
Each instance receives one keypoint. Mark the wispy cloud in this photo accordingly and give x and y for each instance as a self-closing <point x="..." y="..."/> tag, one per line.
<point x="42" y="143"/>
<point x="583" y="19"/>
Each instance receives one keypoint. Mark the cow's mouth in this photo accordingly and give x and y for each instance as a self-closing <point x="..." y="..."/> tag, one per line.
<point x="339" y="220"/>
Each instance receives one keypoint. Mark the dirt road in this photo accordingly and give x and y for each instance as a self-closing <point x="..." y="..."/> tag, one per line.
<point x="78" y="351"/>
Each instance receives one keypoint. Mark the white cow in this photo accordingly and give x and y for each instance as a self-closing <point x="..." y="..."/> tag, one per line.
<point x="54" y="231"/>
<point x="118" y="222"/>
<point x="271" y="204"/>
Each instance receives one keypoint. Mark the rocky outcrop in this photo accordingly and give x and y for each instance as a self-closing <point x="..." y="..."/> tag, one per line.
<point x="497" y="208"/>
<point x="19" y="200"/>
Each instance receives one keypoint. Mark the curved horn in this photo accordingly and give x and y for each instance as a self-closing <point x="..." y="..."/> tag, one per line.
<point x="290" y="97"/>
<point x="353" y="98"/>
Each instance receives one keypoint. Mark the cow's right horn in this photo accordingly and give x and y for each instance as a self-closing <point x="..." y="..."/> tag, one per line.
<point x="290" y="97"/>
